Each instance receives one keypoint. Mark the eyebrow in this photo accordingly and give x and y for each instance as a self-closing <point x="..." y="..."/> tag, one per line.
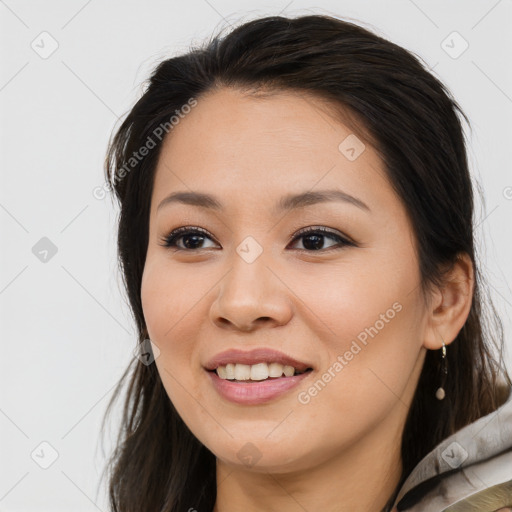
<point x="288" y="202"/>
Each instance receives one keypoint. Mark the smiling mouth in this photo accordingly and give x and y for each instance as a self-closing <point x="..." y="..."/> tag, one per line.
<point x="247" y="374"/>
<point x="256" y="384"/>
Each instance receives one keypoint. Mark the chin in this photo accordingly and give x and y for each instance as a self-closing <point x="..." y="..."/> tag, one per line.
<point x="262" y="455"/>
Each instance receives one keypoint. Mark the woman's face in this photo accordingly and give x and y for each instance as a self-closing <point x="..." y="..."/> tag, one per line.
<point x="353" y="312"/>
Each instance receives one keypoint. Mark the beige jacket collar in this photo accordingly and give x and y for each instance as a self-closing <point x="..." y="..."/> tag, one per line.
<point x="469" y="471"/>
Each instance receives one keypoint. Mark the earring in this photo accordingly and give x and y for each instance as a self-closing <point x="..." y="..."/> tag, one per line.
<point x="440" y="393"/>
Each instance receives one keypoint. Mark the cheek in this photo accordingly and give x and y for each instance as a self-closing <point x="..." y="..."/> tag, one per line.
<point x="363" y="381"/>
<point x="168" y="313"/>
<point x="341" y="301"/>
<point x="166" y="295"/>
<point x="370" y="326"/>
<point x="165" y="308"/>
<point x="175" y="306"/>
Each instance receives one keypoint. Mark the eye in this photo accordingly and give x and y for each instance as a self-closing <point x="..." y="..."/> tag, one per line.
<point x="192" y="237"/>
<point x="313" y="239"/>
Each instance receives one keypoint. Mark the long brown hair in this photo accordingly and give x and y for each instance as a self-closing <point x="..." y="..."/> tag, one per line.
<point x="410" y="118"/>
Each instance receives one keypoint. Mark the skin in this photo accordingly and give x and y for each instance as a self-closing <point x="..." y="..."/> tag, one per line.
<point x="340" y="451"/>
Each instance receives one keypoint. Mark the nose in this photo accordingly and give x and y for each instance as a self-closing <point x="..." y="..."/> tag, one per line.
<point x="251" y="296"/>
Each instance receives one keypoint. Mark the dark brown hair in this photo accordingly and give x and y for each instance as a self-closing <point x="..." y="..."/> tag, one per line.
<point x="410" y="118"/>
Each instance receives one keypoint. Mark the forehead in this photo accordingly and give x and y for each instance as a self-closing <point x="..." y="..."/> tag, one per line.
<point x="236" y="145"/>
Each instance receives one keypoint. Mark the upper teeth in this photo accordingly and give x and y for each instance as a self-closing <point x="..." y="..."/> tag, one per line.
<point x="259" y="371"/>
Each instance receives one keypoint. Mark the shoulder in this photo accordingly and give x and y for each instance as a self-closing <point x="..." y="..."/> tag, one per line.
<point x="470" y="471"/>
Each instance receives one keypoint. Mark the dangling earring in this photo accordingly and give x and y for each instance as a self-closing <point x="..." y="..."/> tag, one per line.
<point x="440" y="393"/>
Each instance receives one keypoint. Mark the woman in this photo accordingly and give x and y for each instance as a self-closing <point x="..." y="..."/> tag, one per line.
<point x="296" y="240"/>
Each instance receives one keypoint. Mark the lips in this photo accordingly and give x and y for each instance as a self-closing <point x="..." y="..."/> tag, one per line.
<point x="254" y="356"/>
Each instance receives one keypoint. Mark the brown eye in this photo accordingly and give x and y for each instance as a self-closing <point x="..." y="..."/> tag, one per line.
<point x="192" y="238"/>
<point x="314" y="239"/>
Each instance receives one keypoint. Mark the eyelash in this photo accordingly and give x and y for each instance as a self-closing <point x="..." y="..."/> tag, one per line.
<point x="169" y="241"/>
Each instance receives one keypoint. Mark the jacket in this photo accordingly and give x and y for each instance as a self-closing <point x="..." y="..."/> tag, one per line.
<point x="470" y="471"/>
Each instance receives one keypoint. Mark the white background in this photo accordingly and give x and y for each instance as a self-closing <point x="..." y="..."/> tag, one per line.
<point x="66" y="329"/>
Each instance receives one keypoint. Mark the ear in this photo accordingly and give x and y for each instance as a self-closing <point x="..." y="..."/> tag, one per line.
<point x="450" y="304"/>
